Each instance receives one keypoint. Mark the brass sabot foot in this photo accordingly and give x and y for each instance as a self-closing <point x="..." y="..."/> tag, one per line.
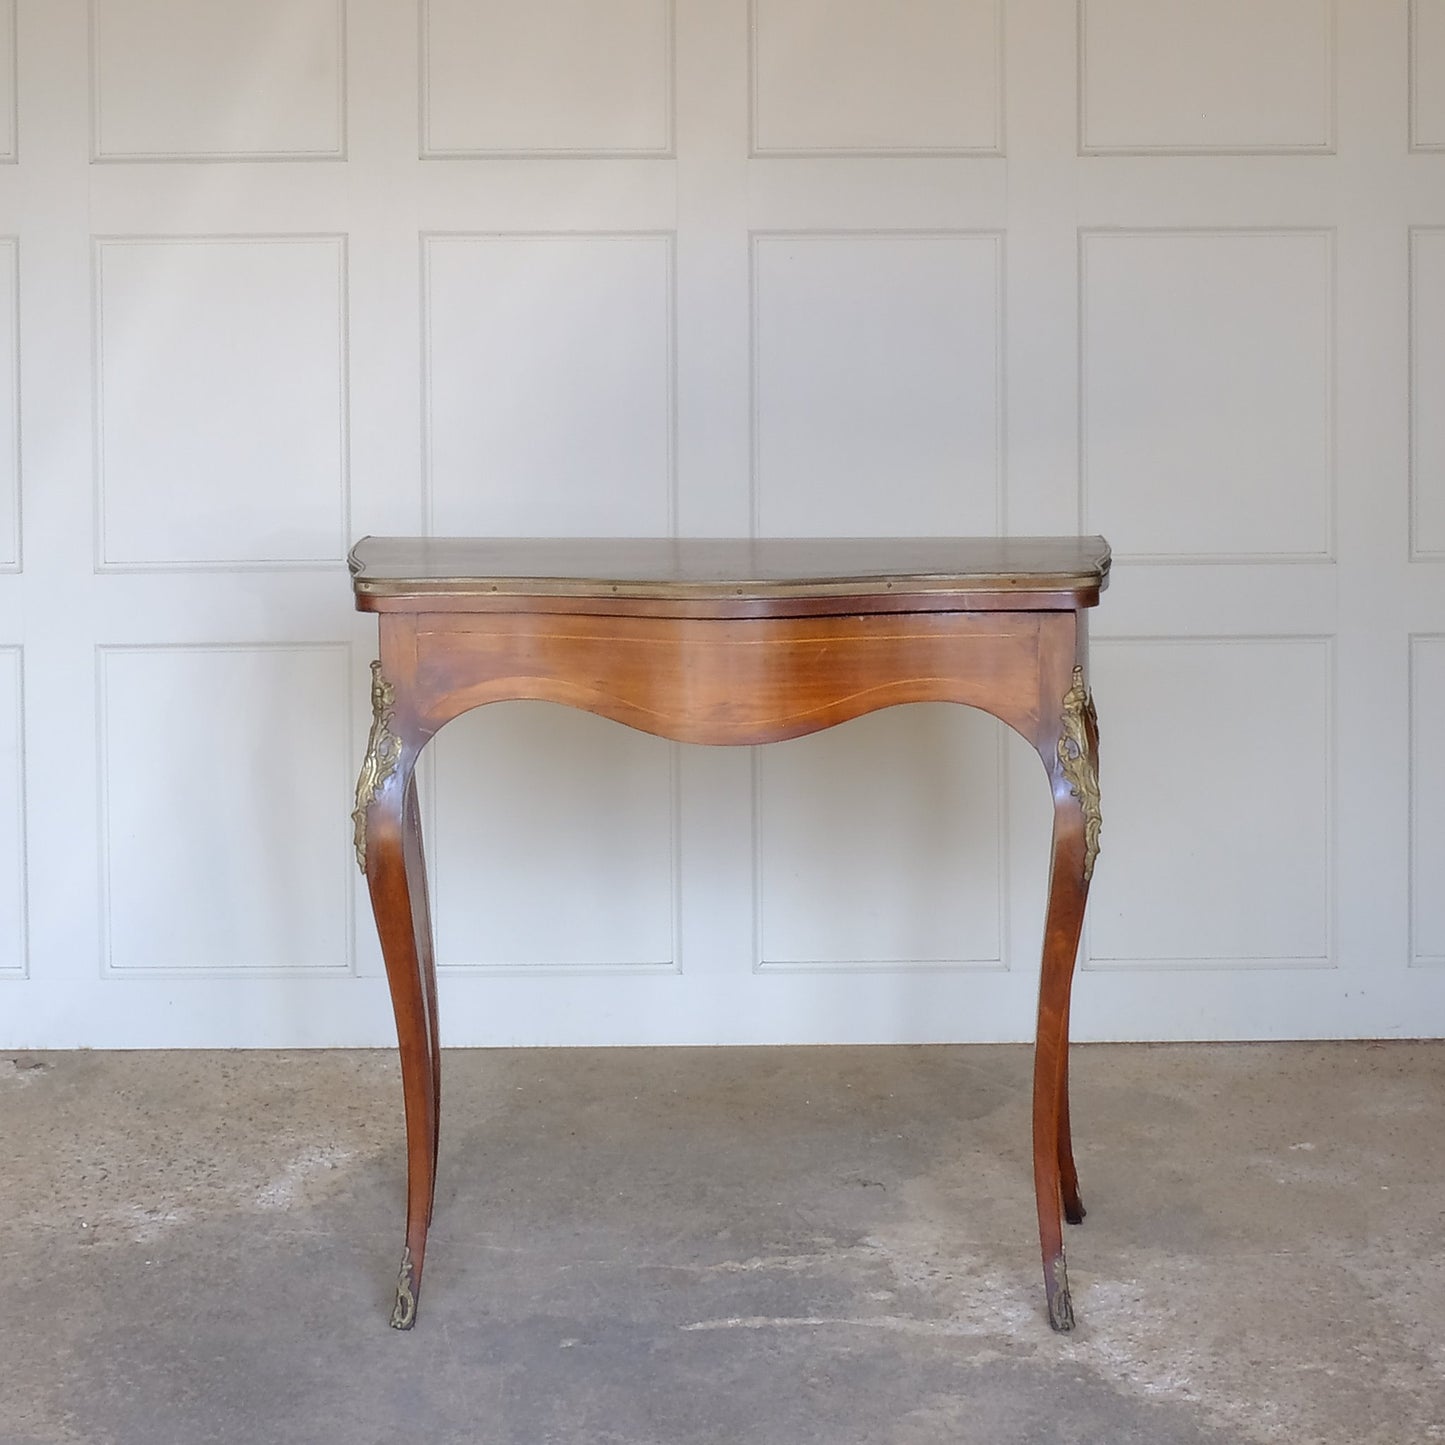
<point x="403" y="1314"/>
<point x="1061" y="1304"/>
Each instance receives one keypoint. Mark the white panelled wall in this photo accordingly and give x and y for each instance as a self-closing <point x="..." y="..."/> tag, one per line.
<point x="277" y="274"/>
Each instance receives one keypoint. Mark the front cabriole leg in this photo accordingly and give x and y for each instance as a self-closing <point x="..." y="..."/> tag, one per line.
<point x="1073" y="767"/>
<point x="388" y="851"/>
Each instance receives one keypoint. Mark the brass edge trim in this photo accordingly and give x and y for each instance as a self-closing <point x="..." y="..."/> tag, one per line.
<point x="740" y="590"/>
<point x="1076" y="758"/>
<point x="403" y="1314"/>
<point x="383" y="753"/>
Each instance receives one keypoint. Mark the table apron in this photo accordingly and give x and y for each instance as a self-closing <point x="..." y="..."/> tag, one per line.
<point x="730" y="681"/>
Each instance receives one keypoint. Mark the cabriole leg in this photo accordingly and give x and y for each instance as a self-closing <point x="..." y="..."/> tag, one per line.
<point x="1074" y="770"/>
<point x="389" y="852"/>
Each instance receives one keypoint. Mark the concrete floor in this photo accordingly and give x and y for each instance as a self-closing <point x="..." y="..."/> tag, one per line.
<point x="739" y="1246"/>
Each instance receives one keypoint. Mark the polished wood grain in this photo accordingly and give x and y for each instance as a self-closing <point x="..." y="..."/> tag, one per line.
<point x="720" y="643"/>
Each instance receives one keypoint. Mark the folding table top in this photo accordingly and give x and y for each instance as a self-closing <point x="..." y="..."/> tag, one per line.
<point x="722" y="575"/>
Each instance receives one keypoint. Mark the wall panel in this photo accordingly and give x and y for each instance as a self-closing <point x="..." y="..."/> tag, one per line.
<point x="1230" y="76"/>
<point x="1427" y="789"/>
<point x="279" y="274"/>
<point x="1218" y="777"/>
<point x="549" y="384"/>
<point x="551" y="77"/>
<point x="212" y="80"/>
<point x="555" y="840"/>
<point x="9" y="109"/>
<point x="1208" y="393"/>
<point x="13" y="901"/>
<point x="221" y="400"/>
<point x="224" y="798"/>
<point x="877" y="384"/>
<point x="10" y="512"/>
<point x="879" y="843"/>
<point x="1427" y="74"/>
<point x="876" y="78"/>
<point x="1427" y="392"/>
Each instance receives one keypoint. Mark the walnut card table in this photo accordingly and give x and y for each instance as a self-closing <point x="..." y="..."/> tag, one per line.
<point x="727" y="642"/>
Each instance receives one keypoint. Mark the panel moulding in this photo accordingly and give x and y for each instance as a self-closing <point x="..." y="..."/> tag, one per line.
<point x="430" y="152"/>
<point x="1088" y="523"/>
<point x="12" y="657"/>
<point x="994" y="963"/>
<point x="14" y="504"/>
<point x="343" y="850"/>
<point x="99" y="155"/>
<point x="1170" y="963"/>
<point x="1418" y="406"/>
<point x="606" y="967"/>
<point x="993" y="150"/>
<point x="1325" y="145"/>
<point x="757" y="238"/>
<point x="1420" y="736"/>
<point x="1422" y="139"/>
<point x="669" y="243"/>
<point x="103" y="564"/>
<point x="10" y="28"/>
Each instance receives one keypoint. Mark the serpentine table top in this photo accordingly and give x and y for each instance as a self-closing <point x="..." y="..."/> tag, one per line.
<point x="728" y="576"/>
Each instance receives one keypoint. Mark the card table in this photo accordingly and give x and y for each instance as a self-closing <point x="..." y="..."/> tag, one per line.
<point x="726" y="642"/>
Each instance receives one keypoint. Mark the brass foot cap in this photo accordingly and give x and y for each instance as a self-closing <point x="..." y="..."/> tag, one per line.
<point x="1061" y="1304"/>
<point x="403" y="1314"/>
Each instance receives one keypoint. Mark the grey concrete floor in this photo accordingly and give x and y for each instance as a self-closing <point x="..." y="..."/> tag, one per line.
<point x="649" y="1247"/>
